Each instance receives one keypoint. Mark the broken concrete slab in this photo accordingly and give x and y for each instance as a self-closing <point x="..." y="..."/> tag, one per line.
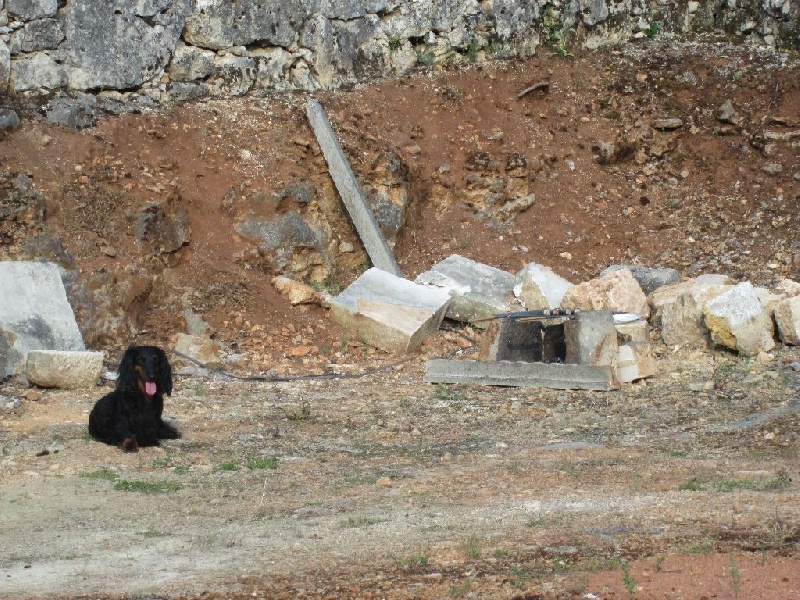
<point x="635" y="358"/>
<point x="389" y="312"/>
<point x="617" y="291"/>
<point x="737" y="320"/>
<point x="350" y="191"/>
<point x="63" y="369"/>
<point x="34" y="312"/>
<point x="479" y="291"/>
<point x="505" y="373"/>
<point x="538" y="286"/>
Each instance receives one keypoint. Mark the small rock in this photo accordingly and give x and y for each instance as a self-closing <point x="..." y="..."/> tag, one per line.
<point x="667" y="123"/>
<point x="772" y="168"/>
<point x="384" y="481"/>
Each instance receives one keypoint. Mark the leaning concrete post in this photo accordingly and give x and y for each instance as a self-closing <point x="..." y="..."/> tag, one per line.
<point x="353" y="197"/>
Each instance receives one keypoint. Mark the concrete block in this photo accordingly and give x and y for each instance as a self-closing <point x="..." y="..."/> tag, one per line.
<point x="479" y="291"/>
<point x="63" y="369"/>
<point x="591" y="339"/>
<point x="350" y="191"/>
<point x="34" y="312"/>
<point x="526" y="341"/>
<point x="505" y="373"/>
<point x="389" y="312"/>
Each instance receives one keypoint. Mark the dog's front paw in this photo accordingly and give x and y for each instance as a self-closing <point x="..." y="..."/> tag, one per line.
<point x="129" y="445"/>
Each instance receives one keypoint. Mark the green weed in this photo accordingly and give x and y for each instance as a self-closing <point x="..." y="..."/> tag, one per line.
<point x="652" y="30"/>
<point x="628" y="581"/>
<point x="146" y="487"/>
<point x="226" y="466"/>
<point x="264" y="462"/>
<point x="472" y="547"/>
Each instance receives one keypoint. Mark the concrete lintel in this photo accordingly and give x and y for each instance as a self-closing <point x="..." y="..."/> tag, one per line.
<point x="350" y="191"/>
<point x="551" y="375"/>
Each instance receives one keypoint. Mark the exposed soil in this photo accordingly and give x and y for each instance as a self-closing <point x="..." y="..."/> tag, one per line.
<point x="682" y="486"/>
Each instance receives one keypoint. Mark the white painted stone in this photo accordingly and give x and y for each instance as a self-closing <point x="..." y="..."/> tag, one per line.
<point x="538" y="287"/>
<point x="63" y="369"/>
<point x="389" y="312"/>
<point x="635" y="358"/>
<point x="737" y="320"/>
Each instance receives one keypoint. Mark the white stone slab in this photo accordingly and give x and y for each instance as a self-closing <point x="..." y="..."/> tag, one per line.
<point x="63" y="369"/>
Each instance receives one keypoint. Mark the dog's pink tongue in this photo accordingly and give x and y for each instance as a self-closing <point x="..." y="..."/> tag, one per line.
<point x="150" y="388"/>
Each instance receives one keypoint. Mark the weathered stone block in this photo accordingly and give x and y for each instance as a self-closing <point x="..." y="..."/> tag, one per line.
<point x="635" y="358"/>
<point x="649" y="278"/>
<point x="479" y="291"/>
<point x="64" y="370"/>
<point x="389" y="312"/>
<point x="678" y="309"/>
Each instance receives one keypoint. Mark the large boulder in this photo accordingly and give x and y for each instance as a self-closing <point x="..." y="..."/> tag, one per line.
<point x="736" y="319"/>
<point x="649" y="278"/>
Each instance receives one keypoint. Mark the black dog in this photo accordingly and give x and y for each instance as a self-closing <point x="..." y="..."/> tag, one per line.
<point x="130" y="416"/>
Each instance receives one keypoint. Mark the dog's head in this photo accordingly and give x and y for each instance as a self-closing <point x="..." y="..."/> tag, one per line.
<point x="145" y="369"/>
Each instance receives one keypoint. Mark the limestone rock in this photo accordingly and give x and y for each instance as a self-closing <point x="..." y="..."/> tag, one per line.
<point x="617" y="291"/>
<point x="64" y="370"/>
<point x="787" y="318"/>
<point x="538" y="287"/>
<point x="650" y="279"/>
<point x="296" y="292"/>
<point x="678" y="309"/>
<point x="479" y="291"/>
<point x="737" y="320"/>
<point x="200" y="348"/>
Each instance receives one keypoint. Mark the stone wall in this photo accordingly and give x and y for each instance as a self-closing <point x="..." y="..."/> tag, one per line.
<point x="153" y="51"/>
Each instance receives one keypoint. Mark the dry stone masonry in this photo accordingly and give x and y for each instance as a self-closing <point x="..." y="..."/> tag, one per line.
<point x="153" y="51"/>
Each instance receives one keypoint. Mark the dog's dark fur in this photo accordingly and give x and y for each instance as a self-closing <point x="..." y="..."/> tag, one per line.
<point x="128" y="417"/>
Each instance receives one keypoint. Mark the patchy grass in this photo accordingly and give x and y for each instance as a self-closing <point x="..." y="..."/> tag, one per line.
<point x="763" y="484"/>
<point x="104" y="474"/>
